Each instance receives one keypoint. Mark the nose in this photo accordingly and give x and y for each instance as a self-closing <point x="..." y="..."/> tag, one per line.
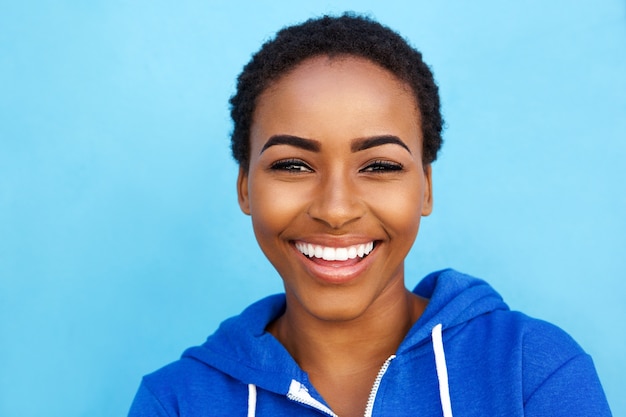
<point x="336" y="202"/>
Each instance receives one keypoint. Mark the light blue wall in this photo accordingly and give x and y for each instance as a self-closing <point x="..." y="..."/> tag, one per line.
<point x="120" y="239"/>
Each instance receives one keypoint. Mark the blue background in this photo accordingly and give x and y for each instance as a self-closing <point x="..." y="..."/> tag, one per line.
<point x="121" y="242"/>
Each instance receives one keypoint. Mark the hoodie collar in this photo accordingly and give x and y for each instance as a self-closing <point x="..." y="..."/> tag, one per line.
<point x="243" y="349"/>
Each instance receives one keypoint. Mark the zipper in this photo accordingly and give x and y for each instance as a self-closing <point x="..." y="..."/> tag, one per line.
<point x="299" y="393"/>
<point x="370" y="401"/>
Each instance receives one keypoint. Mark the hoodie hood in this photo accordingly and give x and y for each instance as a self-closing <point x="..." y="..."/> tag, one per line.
<point x="243" y="349"/>
<point x="454" y="299"/>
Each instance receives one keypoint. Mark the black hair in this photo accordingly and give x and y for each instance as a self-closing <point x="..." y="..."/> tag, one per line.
<point x="348" y="34"/>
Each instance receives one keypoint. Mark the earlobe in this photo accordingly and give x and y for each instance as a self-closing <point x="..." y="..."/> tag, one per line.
<point x="242" y="191"/>
<point x="427" y="203"/>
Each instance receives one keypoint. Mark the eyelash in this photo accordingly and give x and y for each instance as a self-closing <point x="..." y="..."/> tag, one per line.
<point x="382" y="166"/>
<point x="291" y="165"/>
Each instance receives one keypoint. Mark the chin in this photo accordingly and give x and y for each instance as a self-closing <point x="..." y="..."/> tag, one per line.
<point x="335" y="308"/>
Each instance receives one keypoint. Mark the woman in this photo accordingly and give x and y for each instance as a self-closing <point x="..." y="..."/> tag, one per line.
<point x="336" y="124"/>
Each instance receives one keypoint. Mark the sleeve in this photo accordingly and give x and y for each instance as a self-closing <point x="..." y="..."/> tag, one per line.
<point x="146" y="404"/>
<point x="572" y="390"/>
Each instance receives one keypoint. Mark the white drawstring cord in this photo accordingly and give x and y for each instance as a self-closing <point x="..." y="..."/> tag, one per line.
<point x="251" y="400"/>
<point x="442" y="371"/>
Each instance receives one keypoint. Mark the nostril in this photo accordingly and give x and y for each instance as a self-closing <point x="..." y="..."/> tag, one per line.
<point x="335" y="219"/>
<point x="336" y="209"/>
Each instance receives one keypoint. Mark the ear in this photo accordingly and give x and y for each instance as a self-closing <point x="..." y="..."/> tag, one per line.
<point x="242" y="191"/>
<point x="427" y="202"/>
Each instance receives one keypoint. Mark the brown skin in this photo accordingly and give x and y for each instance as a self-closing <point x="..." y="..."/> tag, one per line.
<point x="338" y="188"/>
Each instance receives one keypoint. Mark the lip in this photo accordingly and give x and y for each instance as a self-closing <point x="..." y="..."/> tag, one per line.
<point x="337" y="272"/>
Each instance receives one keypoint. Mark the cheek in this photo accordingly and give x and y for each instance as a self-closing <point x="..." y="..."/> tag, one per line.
<point x="273" y="207"/>
<point x="399" y="210"/>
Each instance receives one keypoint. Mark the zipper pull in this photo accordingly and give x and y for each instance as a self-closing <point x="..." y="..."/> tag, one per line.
<point x="299" y="393"/>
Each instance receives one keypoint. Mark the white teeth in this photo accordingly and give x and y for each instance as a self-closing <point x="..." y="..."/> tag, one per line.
<point x="335" y="254"/>
<point x="329" y="254"/>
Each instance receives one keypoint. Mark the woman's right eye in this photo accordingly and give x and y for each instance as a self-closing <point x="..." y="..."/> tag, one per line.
<point x="291" y="165"/>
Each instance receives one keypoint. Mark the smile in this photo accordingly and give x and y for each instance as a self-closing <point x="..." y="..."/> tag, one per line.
<point x="328" y="253"/>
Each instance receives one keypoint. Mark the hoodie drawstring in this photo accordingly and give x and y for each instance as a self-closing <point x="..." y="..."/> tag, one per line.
<point x="442" y="371"/>
<point x="251" y="400"/>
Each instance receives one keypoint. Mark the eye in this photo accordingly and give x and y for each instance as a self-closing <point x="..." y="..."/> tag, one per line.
<point x="291" y="165"/>
<point x="382" y="166"/>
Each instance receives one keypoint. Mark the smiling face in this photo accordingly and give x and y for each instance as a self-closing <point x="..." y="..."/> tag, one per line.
<point x="336" y="185"/>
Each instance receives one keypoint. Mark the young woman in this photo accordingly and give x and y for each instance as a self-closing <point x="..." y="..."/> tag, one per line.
<point x="336" y="124"/>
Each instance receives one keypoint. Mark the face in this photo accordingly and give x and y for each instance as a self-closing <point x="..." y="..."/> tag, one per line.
<point x="336" y="186"/>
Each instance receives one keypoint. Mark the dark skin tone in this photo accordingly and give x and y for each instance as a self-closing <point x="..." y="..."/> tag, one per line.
<point x="336" y="166"/>
<point x="343" y="370"/>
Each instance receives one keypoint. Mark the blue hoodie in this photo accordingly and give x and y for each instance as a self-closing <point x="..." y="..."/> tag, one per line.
<point x="467" y="355"/>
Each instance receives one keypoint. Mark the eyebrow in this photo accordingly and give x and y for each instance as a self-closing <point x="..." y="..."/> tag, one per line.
<point x="370" y="142"/>
<point x="298" y="142"/>
<point x="357" y="145"/>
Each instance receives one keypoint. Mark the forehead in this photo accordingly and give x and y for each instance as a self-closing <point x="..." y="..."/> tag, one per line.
<point x="337" y="95"/>
<point x="338" y="70"/>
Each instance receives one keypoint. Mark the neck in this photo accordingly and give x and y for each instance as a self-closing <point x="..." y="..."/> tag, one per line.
<point x="351" y="346"/>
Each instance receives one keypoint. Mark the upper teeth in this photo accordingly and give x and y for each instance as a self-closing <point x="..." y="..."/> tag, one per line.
<point x="335" y="254"/>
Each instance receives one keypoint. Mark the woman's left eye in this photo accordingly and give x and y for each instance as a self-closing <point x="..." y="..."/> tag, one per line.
<point x="382" y="166"/>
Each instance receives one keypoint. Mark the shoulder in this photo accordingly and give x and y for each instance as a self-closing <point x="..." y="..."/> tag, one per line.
<point x="555" y="366"/>
<point x="186" y="387"/>
<point x="537" y="344"/>
<point x="537" y="335"/>
<point x="511" y="346"/>
<point x="211" y="376"/>
<point x="552" y="365"/>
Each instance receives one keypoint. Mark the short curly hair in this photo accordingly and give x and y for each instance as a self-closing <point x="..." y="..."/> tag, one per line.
<point x="348" y="34"/>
